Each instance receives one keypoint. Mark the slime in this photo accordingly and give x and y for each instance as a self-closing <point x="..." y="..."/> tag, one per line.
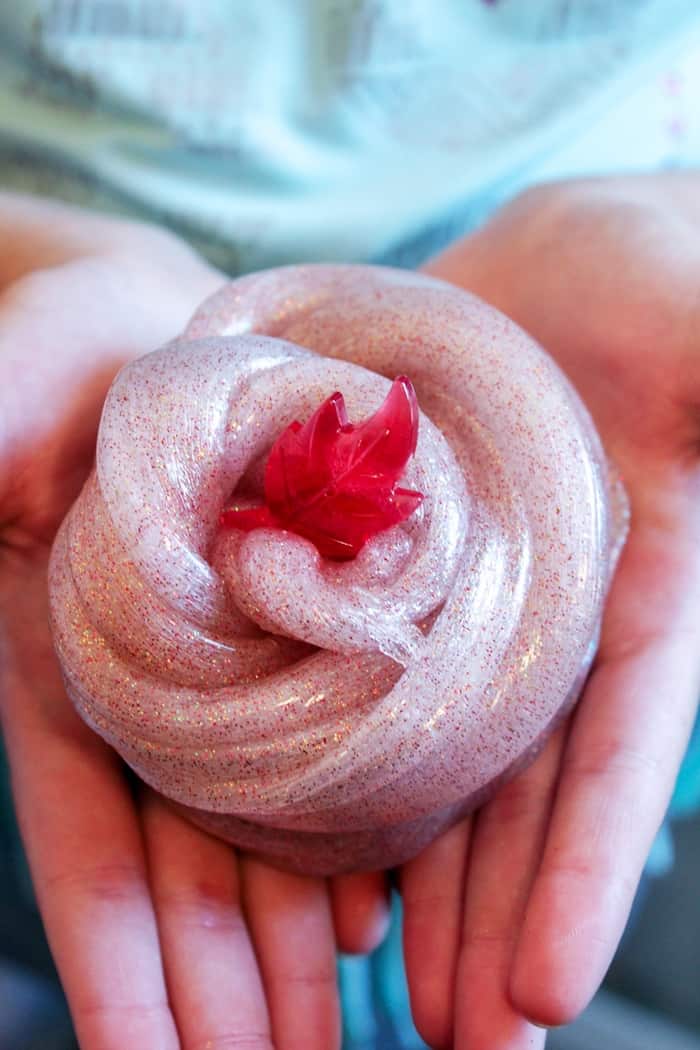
<point x="335" y="715"/>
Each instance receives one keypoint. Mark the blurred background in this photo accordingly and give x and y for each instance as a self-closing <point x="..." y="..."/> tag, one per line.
<point x="650" y="1000"/>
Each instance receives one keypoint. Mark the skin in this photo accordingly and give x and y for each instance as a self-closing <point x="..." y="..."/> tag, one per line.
<point x="163" y="936"/>
<point x="511" y="917"/>
<point x="515" y="915"/>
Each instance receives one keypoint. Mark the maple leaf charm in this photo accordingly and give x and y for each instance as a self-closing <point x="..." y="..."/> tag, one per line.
<point x="336" y="483"/>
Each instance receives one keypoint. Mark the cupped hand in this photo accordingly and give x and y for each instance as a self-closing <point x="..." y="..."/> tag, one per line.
<point x="514" y="915"/>
<point x="163" y="936"/>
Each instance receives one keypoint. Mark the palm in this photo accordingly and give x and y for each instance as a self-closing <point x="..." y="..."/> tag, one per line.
<point x="162" y="936"/>
<point x="605" y="277"/>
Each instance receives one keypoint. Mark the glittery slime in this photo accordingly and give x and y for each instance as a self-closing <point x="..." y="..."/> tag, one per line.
<point x="335" y="716"/>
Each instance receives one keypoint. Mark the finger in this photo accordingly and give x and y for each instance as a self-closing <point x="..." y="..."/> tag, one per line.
<point x="46" y="233"/>
<point x="505" y="851"/>
<point x="86" y="858"/>
<point x="210" y="964"/>
<point x="292" y="927"/>
<point x="47" y="431"/>
<point x="361" y="910"/>
<point x="626" y="745"/>
<point x="432" y="890"/>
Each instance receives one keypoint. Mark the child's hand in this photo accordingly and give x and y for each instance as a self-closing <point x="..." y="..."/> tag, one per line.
<point x="163" y="937"/>
<point x="517" y="913"/>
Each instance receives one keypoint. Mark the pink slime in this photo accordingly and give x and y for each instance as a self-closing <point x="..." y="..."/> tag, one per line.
<point x="335" y="716"/>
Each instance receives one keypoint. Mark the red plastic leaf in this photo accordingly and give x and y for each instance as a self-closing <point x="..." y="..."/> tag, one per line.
<point x="336" y="483"/>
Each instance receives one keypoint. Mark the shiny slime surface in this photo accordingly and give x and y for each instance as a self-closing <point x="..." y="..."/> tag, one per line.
<point x="335" y="716"/>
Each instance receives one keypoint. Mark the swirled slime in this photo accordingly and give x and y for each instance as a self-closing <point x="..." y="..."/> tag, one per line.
<point x="332" y="715"/>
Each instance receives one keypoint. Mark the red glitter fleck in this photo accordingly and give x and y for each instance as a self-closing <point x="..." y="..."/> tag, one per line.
<point x="336" y="483"/>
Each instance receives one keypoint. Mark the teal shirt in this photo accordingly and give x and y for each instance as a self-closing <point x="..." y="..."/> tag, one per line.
<point x="332" y="129"/>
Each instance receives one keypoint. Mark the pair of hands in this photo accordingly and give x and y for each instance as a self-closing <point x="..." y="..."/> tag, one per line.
<point x="165" y="937"/>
